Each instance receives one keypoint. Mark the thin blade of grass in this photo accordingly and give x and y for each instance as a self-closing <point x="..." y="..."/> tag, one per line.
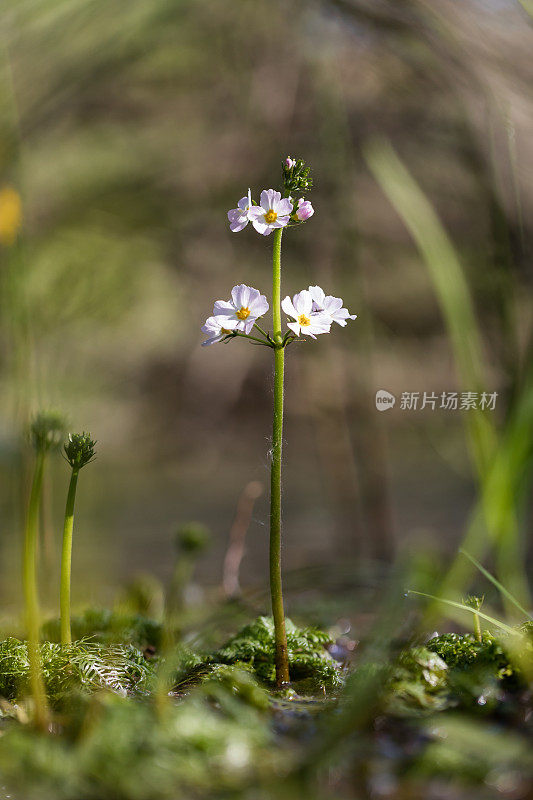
<point x="499" y="624"/>
<point x="496" y="583"/>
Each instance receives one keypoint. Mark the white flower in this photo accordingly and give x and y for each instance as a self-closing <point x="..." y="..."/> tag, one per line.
<point x="218" y="327"/>
<point x="238" y="217"/>
<point x="273" y="212"/>
<point x="331" y="306"/>
<point x="309" y="322"/>
<point x="244" y="308"/>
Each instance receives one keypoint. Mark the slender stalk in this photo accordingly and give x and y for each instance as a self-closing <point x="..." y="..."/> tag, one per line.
<point x="281" y="656"/>
<point x="276" y="286"/>
<point x="477" y="628"/>
<point x="31" y="600"/>
<point x="66" y="560"/>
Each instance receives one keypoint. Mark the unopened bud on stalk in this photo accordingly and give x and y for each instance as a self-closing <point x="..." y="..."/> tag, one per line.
<point x="79" y="449"/>
<point x="47" y="431"/>
<point x="193" y="537"/>
<point x="296" y="177"/>
<point x="474" y="602"/>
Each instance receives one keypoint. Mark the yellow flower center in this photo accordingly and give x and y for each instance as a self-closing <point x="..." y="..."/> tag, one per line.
<point x="243" y="313"/>
<point x="270" y="216"/>
<point x="304" y="321"/>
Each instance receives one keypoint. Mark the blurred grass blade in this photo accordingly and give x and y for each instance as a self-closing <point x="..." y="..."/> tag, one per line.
<point x="462" y="607"/>
<point x="499" y="465"/>
<point x="496" y="583"/>
<point x="448" y="279"/>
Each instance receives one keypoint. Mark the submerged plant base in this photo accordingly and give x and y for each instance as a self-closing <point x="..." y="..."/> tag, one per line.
<point x="312" y="669"/>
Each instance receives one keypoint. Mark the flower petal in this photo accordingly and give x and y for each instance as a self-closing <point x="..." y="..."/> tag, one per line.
<point x="223" y="308"/>
<point x="213" y="340"/>
<point x="284" y="207"/>
<point x="288" y="307"/>
<point x="318" y="296"/>
<point x="303" y="302"/>
<point x="332" y="304"/>
<point x="269" y="197"/>
<point x="256" y="212"/>
<point x="294" y="327"/>
<point x="240" y="296"/>
<point x="259" y="306"/>
<point x="280" y="222"/>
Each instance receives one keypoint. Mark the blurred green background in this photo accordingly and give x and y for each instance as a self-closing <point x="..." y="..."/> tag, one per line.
<point x="128" y="130"/>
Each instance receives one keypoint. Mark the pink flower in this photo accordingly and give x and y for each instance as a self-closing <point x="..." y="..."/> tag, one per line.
<point x="289" y="162"/>
<point x="239" y="217"/>
<point x="304" y="210"/>
<point x="271" y="213"/>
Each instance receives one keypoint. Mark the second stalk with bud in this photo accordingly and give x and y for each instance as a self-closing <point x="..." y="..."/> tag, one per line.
<point x="79" y="451"/>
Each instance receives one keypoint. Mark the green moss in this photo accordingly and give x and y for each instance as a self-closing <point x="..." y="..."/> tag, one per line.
<point x="463" y="650"/>
<point x="109" y="627"/>
<point x="122" y="749"/>
<point x="419" y="682"/>
<point x="479" y="671"/>
<point x="85" y="666"/>
<point x="311" y="666"/>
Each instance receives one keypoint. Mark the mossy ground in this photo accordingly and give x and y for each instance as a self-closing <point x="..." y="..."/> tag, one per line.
<point x="311" y="667"/>
<point x="214" y="728"/>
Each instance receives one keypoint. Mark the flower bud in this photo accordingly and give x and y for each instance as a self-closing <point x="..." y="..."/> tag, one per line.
<point x="473" y="601"/>
<point x="47" y="431"/>
<point x="79" y="449"/>
<point x="193" y="537"/>
<point x="296" y="176"/>
<point x="304" y="210"/>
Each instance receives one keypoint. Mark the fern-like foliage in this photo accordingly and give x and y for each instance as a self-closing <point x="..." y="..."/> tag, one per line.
<point x="82" y="665"/>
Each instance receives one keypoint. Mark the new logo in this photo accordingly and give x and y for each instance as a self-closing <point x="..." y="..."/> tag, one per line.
<point x="384" y="400"/>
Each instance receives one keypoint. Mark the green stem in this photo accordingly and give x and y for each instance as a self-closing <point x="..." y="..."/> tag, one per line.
<point x="31" y="600"/>
<point x="276" y="286"/>
<point x="281" y="656"/>
<point x="66" y="560"/>
<point x="253" y="338"/>
<point x="265" y="334"/>
<point x="477" y="628"/>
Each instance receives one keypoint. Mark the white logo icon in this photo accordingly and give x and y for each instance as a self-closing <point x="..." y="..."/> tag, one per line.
<point x="384" y="400"/>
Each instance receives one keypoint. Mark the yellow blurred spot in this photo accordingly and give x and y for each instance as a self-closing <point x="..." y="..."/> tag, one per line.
<point x="10" y="214"/>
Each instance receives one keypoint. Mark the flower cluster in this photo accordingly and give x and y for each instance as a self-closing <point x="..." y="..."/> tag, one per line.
<point x="273" y="211"/>
<point x="79" y="449"/>
<point x="312" y="312"/>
